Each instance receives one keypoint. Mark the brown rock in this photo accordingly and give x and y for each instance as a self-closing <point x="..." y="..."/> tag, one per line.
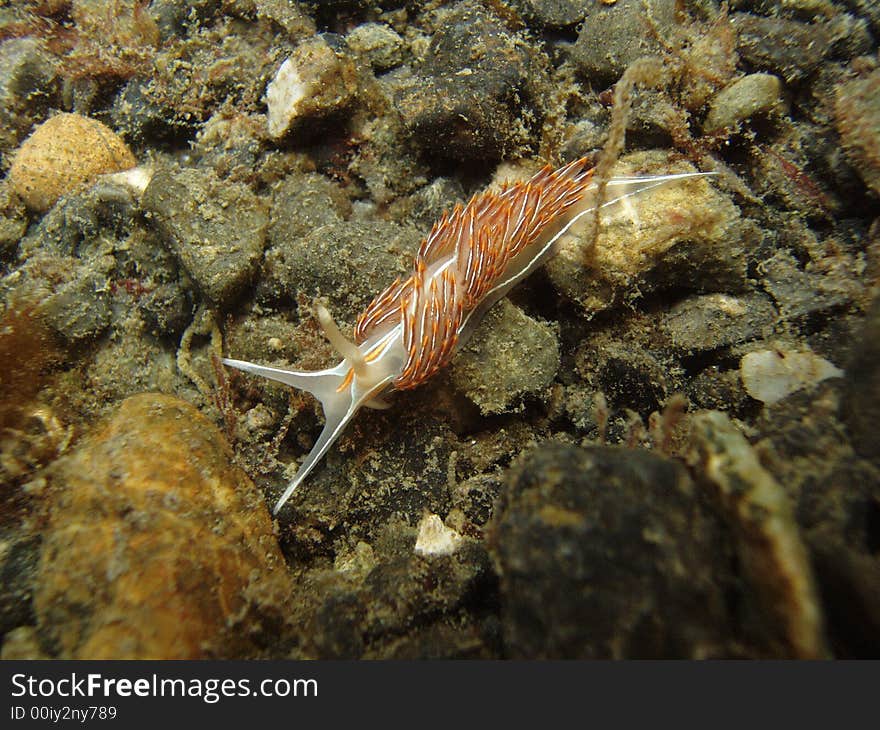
<point x="158" y="546"/>
<point x="63" y="153"/>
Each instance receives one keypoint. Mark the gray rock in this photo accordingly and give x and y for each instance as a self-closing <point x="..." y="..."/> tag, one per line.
<point x="552" y="13"/>
<point x="19" y="556"/>
<point x="861" y="403"/>
<point x="789" y="48"/>
<point x="350" y="262"/>
<point x="478" y="92"/>
<point x="716" y="320"/>
<point x="81" y="309"/>
<point x="215" y="228"/>
<point x="797" y="292"/>
<point x="302" y="204"/>
<point x="510" y="356"/>
<point x="28" y="86"/>
<point x="613" y="36"/>
<point x="608" y="553"/>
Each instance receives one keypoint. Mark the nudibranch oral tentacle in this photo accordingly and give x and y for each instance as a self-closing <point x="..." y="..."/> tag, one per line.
<point x="472" y="257"/>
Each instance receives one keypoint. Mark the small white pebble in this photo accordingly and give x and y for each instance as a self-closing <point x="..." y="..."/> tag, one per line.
<point x="435" y="538"/>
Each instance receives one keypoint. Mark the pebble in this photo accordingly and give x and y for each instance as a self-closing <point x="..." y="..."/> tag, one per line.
<point x="435" y="538"/>
<point x="215" y="228"/>
<point x="857" y="112"/>
<point x="379" y="44"/>
<point x="158" y="546"/>
<point x="509" y="357"/>
<point x="316" y="80"/>
<point x="771" y="375"/>
<point x="745" y="98"/>
<point x="65" y="153"/>
<point x="608" y="553"/>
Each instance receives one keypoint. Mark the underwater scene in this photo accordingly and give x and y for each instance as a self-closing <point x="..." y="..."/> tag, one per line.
<point x="439" y="329"/>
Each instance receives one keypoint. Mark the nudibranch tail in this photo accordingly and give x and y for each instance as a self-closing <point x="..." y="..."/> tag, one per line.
<point x="472" y="257"/>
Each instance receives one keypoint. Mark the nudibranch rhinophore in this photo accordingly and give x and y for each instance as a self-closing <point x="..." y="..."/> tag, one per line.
<point x="471" y="258"/>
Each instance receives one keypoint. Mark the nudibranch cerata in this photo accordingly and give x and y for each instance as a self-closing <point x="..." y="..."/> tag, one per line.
<point x="471" y="258"/>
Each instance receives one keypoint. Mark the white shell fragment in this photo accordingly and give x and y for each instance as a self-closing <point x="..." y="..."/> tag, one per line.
<point x="283" y="97"/>
<point x="435" y="538"/>
<point x="771" y="375"/>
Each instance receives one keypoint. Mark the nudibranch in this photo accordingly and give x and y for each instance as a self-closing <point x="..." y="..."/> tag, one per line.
<point x="471" y="258"/>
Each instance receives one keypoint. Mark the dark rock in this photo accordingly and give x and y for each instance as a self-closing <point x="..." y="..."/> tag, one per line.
<point x="861" y="404"/>
<point x="604" y="553"/>
<point x="837" y="493"/>
<point x="389" y="465"/>
<point x="18" y="564"/>
<point x="788" y="48"/>
<point x="797" y="292"/>
<point x="28" y="86"/>
<point x="216" y="229"/>
<point x="857" y="112"/>
<point x="552" y="13"/>
<point x="349" y="262"/>
<point x="478" y="92"/>
<point x="141" y="119"/>
<point x="301" y="204"/>
<point x="613" y="36"/>
<point x="81" y="309"/>
<point x="715" y="320"/>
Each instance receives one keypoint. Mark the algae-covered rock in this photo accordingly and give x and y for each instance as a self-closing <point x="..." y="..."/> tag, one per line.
<point x="216" y="228"/>
<point x="857" y="109"/>
<point x="608" y="553"/>
<point x="63" y="154"/>
<point x="684" y="234"/>
<point x="379" y="44"/>
<point x="511" y="355"/>
<point x="317" y="79"/>
<point x="478" y="91"/>
<point x="613" y="35"/>
<point x="348" y="261"/>
<point x="709" y="321"/>
<point x="157" y="545"/>
<point x="789" y="48"/>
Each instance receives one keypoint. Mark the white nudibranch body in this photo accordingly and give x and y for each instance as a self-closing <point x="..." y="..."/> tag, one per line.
<point x="471" y="258"/>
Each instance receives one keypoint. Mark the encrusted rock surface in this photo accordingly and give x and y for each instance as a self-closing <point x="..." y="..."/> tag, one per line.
<point x="216" y="230"/>
<point x="157" y="546"/>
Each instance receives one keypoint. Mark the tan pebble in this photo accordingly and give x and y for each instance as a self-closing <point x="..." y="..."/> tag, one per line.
<point x="63" y="154"/>
<point x="158" y="546"/>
